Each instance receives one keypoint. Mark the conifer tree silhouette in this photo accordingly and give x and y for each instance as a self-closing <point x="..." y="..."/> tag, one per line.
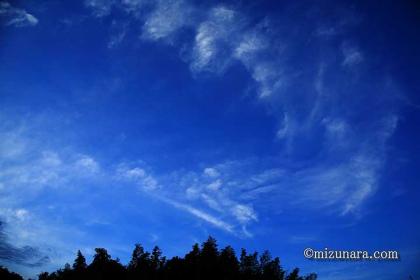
<point x="80" y="262"/>
<point x="294" y="275"/>
<point x="209" y="259"/>
<point x="192" y="262"/>
<point x="229" y="264"/>
<point x="249" y="265"/>
<point x="157" y="263"/>
<point x="139" y="266"/>
<point x="203" y="262"/>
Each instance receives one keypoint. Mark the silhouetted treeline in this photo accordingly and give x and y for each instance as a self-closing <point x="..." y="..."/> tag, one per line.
<point x="5" y="274"/>
<point x="201" y="263"/>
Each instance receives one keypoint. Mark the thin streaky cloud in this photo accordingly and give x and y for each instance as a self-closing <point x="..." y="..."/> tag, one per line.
<point x="201" y="215"/>
<point x="100" y="8"/>
<point x="16" y="17"/>
<point x="254" y="123"/>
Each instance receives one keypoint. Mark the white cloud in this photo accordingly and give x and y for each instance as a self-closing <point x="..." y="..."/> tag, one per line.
<point x="135" y="173"/>
<point x="214" y="186"/>
<point x="268" y="77"/>
<point x="87" y="164"/>
<point x="285" y="128"/>
<point x="167" y="18"/>
<point x="14" y="215"/>
<point x="133" y="6"/>
<point x="211" y="172"/>
<point x="21" y="214"/>
<point x="212" y="45"/>
<point x="139" y="176"/>
<point x="352" y="56"/>
<point x="150" y="183"/>
<point x="342" y="188"/>
<point x="212" y="203"/>
<point x="345" y="177"/>
<point x="17" y="17"/>
<point x="45" y="169"/>
<point x="51" y="159"/>
<point x="192" y="192"/>
<point x="340" y="184"/>
<point x="251" y="49"/>
<point x="244" y="213"/>
<point x="321" y="93"/>
<point x="100" y="8"/>
<point x="154" y="237"/>
<point x="11" y="144"/>
<point x="337" y="130"/>
<point x="27" y="168"/>
<point x="202" y="215"/>
<point x="205" y="190"/>
<point x="220" y="38"/>
<point x="250" y="45"/>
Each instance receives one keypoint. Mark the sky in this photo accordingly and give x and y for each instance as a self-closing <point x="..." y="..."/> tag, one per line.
<point x="273" y="125"/>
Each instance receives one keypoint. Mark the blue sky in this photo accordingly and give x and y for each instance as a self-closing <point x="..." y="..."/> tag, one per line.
<point x="266" y="124"/>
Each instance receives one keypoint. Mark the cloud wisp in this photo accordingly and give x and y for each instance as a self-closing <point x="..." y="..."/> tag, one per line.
<point x="152" y="120"/>
<point x="12" y="16"/>
<point x="26" y="255"/>
<point x="221" y="36"/>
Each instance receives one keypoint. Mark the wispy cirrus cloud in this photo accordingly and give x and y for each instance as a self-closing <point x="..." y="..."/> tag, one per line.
<point x="138" y="176"/>
<point x="217" y="222"/>
<point x="12" y="16"/>
<point x="231" y="195"/>
<point x="33" y="171"/>
<point x="228" y="195"/>
<point x="322" y="153"/>
<point x="48" y="169"/>
<point x="223" y="35"/>
<point x="11" y="252"/>
<point x="203" y="195"/>
<point x="352" y="55"/>
<point x="33" y="176"/>
<point x="166" y="19"/>
<point x="211" y="50"/>
<point x="22" y="255"/>
<point x="100" y="8"/>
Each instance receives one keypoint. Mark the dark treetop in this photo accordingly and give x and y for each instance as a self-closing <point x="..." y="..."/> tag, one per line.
<point x="201" y="263"/>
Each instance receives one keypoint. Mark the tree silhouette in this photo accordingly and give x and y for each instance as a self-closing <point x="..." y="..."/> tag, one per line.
<point x="311" y="276"/>
<point x="139" y="266"/>
<point x="209" y="259"/>
<point x="270" y="269"/>
<point x="203" y="262"/>
<point x="103" y="267"/>
<point x="249" y="265"/>
<point x="192" y="261"/>
<point x="44" y="276"/>
<point x="80" y="262"/>
<point x="174" y="269"/>
<point x="294" y="275"/>
<point x="5" y="274"/>
<point x="229" y="264"/>
<point x="157" y="263"/>
<point x="101" y="258"/>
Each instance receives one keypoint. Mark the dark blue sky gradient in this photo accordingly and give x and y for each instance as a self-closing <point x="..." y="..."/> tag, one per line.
<point x="266" y="124"/>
